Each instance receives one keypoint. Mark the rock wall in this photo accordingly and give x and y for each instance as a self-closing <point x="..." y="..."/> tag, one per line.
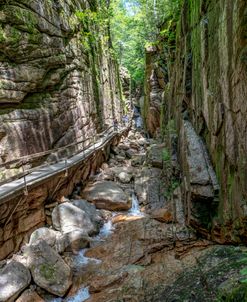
<point x="208" y="88"/>
<point x="58" y="82"/>
<point x="154" y="85"/>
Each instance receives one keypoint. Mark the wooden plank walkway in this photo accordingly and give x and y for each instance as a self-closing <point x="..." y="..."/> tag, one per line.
<point x="11" y="189"/>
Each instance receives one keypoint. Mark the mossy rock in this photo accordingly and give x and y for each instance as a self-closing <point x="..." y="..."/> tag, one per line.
<point x="216" y="277"/>
<point x="237" y="294"/>
<point x="47" y="271"/>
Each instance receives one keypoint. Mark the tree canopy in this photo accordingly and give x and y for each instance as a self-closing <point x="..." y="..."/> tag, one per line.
<point x="134" y="24"/>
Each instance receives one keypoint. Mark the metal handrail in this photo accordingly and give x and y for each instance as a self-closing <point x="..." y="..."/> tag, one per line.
<point x="28" y="158"/>
<point x="25" y="159"/>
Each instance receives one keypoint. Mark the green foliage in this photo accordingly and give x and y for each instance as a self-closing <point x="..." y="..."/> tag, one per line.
<point x="94" y="25"/>
<point x="134" y="25"/>
<point x="236" y="295"/>
<point x="244" y="273"/>
<point x="171" y="188"/>
<point x="166" y="155"/>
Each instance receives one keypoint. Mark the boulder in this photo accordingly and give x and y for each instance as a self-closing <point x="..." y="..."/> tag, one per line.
<point x="129" y="153"/>
<point x="137" y="160"/>
<point x="104" y="166"/>
<point x="123" y="147"/>
<point x="155" y="155"/>
<point x="72" y="242"/>
<point x="107" y="195"/>
<point x="163" y="215"/>
<point x="29" y="296"/>
<point x="91" y="210"/>
<point x="48" y="235"/>
<point x="68" y="242"/>
<point x="142" y="141"/>
<point x="14" y="278"/>
<point x="67" y="217"/>
<point x="120" y="158"/>
<point x="124" y="177"/>
<point x="134" y="145"/>
<point x="49" y="271"/>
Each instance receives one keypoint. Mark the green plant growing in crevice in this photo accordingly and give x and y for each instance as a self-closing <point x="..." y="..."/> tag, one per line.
<point x="173" y="185"/>
<point x="166" y="156"/>
<point x="93" y="26"/>
<point x="172" y="180"/>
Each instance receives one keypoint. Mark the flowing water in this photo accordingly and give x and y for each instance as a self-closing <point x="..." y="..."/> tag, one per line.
<point x="81" y="296"/>
<point x="81" y="260"/>
<point x="135" y="209"/>
<point x="106" y="230"/>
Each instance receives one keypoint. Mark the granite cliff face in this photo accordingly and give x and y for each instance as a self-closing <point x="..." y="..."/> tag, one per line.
<point x="58" y="85"/>
<point x="207" y="100"/>
<point x="154" y="85"/>
<point x="58" y="82"/>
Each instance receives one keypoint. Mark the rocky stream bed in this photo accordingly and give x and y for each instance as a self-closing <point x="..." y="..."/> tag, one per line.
<point x="121" y="237"/>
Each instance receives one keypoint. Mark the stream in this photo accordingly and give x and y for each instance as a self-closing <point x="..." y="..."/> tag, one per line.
<point x="81" y="261"/>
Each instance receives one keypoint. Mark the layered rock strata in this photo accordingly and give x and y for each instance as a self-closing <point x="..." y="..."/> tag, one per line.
<point x="58" y="82"/>
<point x="209" y="87"/>
<point x="206" y="100"/>
<point x="58" y="85"/>
<point x="154" y="85"/>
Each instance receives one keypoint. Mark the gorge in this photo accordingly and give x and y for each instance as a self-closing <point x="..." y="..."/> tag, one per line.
<point x="123" y="150"/>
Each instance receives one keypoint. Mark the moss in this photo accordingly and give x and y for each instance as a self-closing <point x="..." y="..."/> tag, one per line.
<point x="166" y="156"/>
<point x="47" y="271"/>
<point x="207" y="281"/>
<point x="12" y="36"/>
<point x="230" y="183"/>
<point x="24" y="19"/>
<point x="120" y="89"/>
<point x="237" y="294"/>
<point x="34" y="101"/>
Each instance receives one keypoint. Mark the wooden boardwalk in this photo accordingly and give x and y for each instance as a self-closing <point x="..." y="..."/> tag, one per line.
<point x="41" y="174"/>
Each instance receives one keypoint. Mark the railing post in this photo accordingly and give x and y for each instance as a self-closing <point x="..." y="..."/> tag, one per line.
<point x="24" y="179"/>
<point x="83" y="148"/>
<point x="66" y="169"/>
